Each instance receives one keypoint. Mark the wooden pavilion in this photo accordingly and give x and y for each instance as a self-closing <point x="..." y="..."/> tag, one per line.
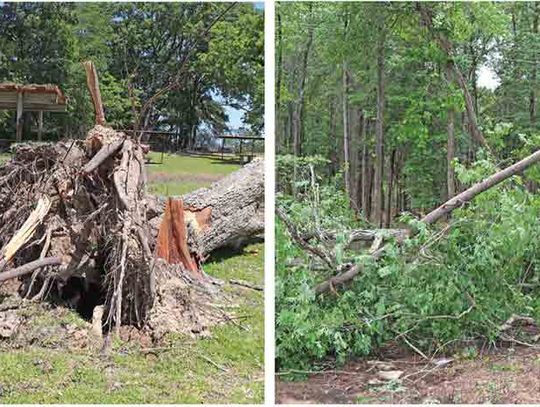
<point x="34" y="98"/>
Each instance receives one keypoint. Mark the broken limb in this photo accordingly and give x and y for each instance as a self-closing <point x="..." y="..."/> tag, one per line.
<point x="29" y="267"/>
<point x="439" y="213"/>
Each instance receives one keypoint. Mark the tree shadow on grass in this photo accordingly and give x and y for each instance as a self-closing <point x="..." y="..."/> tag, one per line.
<point x="225" y="253"/>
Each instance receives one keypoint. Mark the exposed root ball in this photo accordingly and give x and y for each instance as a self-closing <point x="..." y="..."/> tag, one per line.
<point x="96" y="217"/>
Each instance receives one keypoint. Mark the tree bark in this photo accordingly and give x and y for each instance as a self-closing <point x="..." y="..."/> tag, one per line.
<point x="532" y="97"/>
<point x="360" y="161"/>
<point x="228" y="213"/>
<point x="450" y="146"/>
<point x="298" y="108"/>
<point x="279" y="67"/>
<point x="345" y="108"/>
<point x="390" y="188"/>
<point x="377" y="199"/>
<point x="366" y="173"/>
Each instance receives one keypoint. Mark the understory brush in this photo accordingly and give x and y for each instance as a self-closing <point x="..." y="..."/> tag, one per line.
<point x="449" y="284"/>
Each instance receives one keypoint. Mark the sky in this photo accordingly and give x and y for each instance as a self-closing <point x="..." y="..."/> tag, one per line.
<point x="235" y="117"/>
<point x="487" y="78"/>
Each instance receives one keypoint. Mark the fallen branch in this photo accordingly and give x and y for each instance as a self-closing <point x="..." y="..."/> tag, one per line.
<point x="438" y="213"/>
<point x="105" y="152"/>
<point x="246" y="284"/>
<point x="303" y="243"/>
<point x="29" y="267"/>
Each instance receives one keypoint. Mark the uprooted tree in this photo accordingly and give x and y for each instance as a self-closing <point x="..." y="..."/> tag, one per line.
<point x="78" y="225"/>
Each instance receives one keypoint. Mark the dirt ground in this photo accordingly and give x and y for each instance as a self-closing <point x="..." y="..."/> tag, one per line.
<point x="505" y="375"/>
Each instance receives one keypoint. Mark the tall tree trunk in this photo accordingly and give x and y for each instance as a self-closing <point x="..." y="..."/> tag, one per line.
<point x="333" y="142"/>
<point x="279" y="67"/>
<point x="450" y="146"/>
<point x="365" y="170"/>
<point x="377" y="202"/>
<point x="298" y="110"/>
<point x="359" y="161"/>
<point x="443" y="42"/>
<point x="345" y="108"/>
<point x="390" y="188"/>
<point x="532" y="101"/>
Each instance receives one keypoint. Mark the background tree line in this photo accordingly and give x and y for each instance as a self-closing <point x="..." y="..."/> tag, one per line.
<point x="389" y="93"/>
<point x="172" y="66"/>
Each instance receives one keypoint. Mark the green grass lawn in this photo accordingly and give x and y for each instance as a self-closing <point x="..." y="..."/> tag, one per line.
<point x="180" y="174"/>
<point x="225" y="368"/>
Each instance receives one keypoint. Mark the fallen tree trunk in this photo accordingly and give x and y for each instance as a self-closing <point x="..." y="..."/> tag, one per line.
<point x="437" y="214"/>
<point x="227" y="213"/>
<point x="362" y="235"/>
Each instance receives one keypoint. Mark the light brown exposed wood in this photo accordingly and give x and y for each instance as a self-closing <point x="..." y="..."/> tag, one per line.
<point x="93" y="86"/>
<point x="27" y="229"/>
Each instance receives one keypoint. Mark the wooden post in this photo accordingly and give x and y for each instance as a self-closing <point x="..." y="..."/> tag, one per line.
<point x="40" y="125"/>
<point x="240" y="154"/>
<point x="19" y="117"/>
<point x="222" y="147"/>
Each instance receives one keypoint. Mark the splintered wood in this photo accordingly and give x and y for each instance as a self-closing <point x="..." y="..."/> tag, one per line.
<point x="172" y="245"/>
<point x="28" y="228"/>
<point x="79" y="210"/>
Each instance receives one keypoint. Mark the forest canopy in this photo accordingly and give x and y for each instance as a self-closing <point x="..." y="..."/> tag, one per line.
<point x="168" y="66"/>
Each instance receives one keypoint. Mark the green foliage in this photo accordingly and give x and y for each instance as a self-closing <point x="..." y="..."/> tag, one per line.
<point x="435" y="291"/>
<point x="192" y="49"/>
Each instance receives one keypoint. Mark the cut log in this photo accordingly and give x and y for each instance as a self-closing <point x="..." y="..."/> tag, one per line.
<point x="439" y="213"/>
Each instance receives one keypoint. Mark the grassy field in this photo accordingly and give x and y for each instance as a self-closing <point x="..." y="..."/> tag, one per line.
<point x="180" y="174"/>
<point x="227" y="367"/>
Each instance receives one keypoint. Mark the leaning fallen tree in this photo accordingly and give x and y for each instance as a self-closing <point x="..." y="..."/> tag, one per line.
<point x="78" y="226"/>
<point x="378" y="249"/>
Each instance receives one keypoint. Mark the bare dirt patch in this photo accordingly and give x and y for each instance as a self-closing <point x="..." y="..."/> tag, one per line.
<point x="505" y="375"/>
